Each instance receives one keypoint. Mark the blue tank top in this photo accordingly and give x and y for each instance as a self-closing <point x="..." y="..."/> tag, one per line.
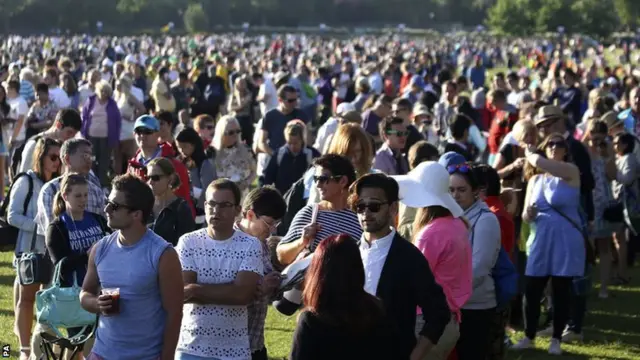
<point x="136" y="333"/>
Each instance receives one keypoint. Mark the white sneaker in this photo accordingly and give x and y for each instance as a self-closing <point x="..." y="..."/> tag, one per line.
<point x="524" y="343"/>
<point x="569" y="336"/>
<point x="554" y="347"/>
<point x="548" y="332"/>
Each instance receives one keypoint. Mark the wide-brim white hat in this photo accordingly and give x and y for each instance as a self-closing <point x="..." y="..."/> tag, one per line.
<point x="427" y="185"/>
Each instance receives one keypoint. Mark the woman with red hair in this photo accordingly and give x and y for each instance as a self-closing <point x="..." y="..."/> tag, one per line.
<point x="340" y="319"/>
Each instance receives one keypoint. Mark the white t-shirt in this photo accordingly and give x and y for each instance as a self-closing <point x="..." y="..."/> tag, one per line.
<point x="19" y="108"/>
<point x="60" y="97"/>
<point x="270" y="94"/>
<point x="218" y="331"/>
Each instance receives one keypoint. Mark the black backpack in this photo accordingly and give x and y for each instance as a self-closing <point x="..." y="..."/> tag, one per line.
<point x="294" y="198"/>
<point x="9" y="233"/>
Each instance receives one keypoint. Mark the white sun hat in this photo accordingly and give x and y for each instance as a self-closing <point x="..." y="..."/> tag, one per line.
<point x="427" y="185"/>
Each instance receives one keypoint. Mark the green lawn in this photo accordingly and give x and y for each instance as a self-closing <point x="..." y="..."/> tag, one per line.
<point x="613" y="330"/>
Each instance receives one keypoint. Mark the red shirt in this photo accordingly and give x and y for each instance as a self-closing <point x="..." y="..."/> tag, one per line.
<point x="507" y="227"/>
<point x="501" y="124"/>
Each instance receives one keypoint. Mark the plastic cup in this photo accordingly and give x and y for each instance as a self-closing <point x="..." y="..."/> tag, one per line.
<point x="114" y="293"/>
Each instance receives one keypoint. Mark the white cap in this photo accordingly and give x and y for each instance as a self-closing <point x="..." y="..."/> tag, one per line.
<point x="107" y="62"/>
<point x="130" y="59"/>
<point x="344" y="108"/>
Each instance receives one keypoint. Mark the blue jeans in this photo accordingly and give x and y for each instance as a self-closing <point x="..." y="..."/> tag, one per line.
<point x="184" y="356"/>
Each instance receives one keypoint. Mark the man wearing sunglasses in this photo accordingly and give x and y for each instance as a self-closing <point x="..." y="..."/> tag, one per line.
<point x="395" y="270"/>
<point x="146" y="129"/>
<point x="389" y="159"/>
<point x="143" y="322"/>
<point x="263" y="209"/>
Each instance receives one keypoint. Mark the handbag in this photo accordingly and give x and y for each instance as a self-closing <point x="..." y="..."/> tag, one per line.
<point x="504" y="274"/>
<point x="9" y="233"/>
<point x="34" y="268"/>
<point x="59" y="307"/>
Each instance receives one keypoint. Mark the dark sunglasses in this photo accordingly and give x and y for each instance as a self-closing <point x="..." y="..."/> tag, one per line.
<point x="291" y="101"/>
<point x="155" y="177"/>
<point x="556" y="144"/>
<point x="144" y="131"/>
<point x="461" y="168"/>
<point x="398" y="133"/>
<point x="373" y="207"/>
<point x="114" y="206"/>
<point x="323" y="179"/>
<point x="54" y="157"/>
<point x="233" y="132"/>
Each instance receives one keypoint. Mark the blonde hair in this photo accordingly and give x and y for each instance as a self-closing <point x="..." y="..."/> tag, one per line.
<point x="343" y="140"/>
<point x="125" y="83"/>
<point x="67" y="182"/>
<point x="296" y="128"/>
<point x="522" y="128"/>
<point x="103" y="85"/>
<point x="221" y="128"/>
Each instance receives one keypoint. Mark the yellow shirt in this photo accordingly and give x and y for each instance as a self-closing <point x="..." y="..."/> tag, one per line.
<point x="158" y="91"/>
<point x="223" y="73"/>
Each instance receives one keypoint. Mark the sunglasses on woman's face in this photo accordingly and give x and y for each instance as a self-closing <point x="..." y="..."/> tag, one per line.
<point x="232" y="132"/>
<point x="373" y="207"/>
<point x="461" y="168"/>
<point x="155" y="178"/>
<point x="556" y="144"/>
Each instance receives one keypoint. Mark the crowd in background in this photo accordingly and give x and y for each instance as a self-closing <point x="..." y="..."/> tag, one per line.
<point x="189" y="171"/>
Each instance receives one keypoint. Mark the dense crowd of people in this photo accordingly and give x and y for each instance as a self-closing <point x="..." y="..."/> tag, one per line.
<point x="174" y="179"/>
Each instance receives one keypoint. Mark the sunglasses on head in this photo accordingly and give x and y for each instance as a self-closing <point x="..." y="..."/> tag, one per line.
<point x="232" y="132"/>
<point x="373" y="207"/>
<point x="461" y="168"/>
<point x="144" y="131"/>
<point x="398" y="133"/>
<point x="323" y="179"/>
<point x="556" y="144"/>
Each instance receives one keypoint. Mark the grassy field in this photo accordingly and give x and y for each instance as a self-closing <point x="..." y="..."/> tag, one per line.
<point x="612" y="332"/>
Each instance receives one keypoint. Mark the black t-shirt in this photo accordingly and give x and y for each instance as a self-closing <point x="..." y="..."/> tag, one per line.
<point x="274" y="123"/>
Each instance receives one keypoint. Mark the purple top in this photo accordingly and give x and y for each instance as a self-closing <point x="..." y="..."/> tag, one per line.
<point x="114" y="119"/>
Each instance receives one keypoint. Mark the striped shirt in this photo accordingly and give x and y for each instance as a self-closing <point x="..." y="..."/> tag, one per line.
<point x="27" y="91"/>
<point x="331" y="223"/>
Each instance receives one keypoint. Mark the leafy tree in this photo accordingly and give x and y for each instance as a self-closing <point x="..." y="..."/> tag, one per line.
<point x="595" y="16"/>
<point x="552" y="14"/>
<point x="628" y="11"/>
<point x="510" y="17"/>
<point x="195" y="19"/>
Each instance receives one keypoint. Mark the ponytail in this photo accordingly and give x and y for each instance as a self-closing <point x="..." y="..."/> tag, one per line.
<point x="58" y="204"/>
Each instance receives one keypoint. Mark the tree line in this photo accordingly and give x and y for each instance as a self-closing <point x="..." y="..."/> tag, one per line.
<point x="509" y="17"/>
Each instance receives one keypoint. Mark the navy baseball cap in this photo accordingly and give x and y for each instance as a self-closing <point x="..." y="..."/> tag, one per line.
<point x="147" y="122"/>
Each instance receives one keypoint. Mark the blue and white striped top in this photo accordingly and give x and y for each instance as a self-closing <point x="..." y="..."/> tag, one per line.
<point x="331" y="222"/>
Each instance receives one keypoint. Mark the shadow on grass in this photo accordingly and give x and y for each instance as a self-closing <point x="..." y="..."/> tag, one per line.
<point x="5" y="312"/>
<point x="280" y="329"/>
<point x="537" y="354"/>
<point x="6" y="264"/>
<point x="7" y="280"/>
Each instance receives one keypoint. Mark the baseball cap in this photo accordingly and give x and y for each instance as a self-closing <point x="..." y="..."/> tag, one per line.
<point x="147" y="122"/>
<point x="450" y="158"/>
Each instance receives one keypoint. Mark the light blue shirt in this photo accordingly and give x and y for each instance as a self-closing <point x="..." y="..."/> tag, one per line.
<point x="629" y="121"/>
<point x="136" y="333"/>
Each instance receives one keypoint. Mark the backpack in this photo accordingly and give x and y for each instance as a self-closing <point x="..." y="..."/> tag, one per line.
<point x="294" y="198"/>
<point x="283" y="150"/>
<point x="9" y="233"/>
<point x="504" y="274"/>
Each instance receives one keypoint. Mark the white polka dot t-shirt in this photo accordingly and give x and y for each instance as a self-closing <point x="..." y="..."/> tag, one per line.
<point x="217" y="331"/>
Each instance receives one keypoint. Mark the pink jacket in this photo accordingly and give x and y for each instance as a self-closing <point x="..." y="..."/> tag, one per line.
<point x="445" y="244"/>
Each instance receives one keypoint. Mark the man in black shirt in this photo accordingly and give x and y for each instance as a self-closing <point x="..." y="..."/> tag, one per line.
<point x="396" y="271"/>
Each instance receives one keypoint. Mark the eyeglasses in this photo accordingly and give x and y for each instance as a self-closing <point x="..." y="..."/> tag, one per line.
<point x="373" y="207"/>
<point x="323" y="179"/>
<point x="221" y="205"/>
<point x="155" y="178"/>
<point x="398" y="133"/>
<point x="556" y="144"/>
<point x="233" y="132"/>
<point x="114" y="206"/>
<point x="461" y="168"/>
<point x="143" y="131"/>
<point x="270" y="226"/>
<point x="54" y="157"/>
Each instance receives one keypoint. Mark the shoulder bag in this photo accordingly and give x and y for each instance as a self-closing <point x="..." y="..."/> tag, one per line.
<point x="59" y="307"/>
